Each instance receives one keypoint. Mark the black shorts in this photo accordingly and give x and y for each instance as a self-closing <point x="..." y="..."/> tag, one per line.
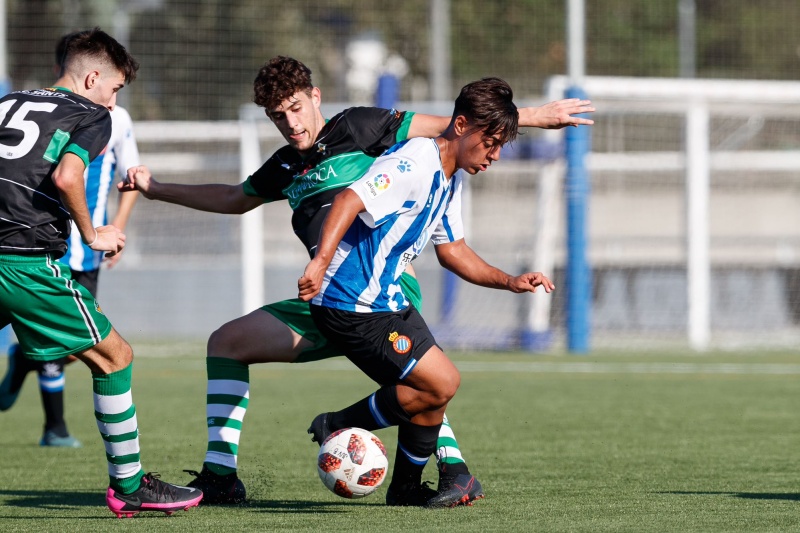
<point x="385" y="346"/>
<point x="87" y="278"/>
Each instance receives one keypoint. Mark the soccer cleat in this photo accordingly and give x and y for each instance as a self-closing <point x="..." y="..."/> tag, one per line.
<point x="51" y="439"/>
<point x="320" y="428"/>
<point x="410" y="495"/>
<point x="218" y="489"/>
<point x="459" y="489"/>
<point x="15" y="376"/>
<point x="153" y="495"/>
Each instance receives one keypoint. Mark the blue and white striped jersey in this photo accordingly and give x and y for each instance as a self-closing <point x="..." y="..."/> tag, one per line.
<point x="121" y="153"/>
<point x="409" y="201"/>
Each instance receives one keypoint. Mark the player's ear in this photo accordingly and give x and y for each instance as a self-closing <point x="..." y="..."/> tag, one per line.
<point x="460" y="125"/>
<point x="316" y="96"/>
<point x="91" y="78"/>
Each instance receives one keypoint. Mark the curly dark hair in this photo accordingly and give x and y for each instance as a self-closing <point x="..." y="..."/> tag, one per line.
<point x="488" y="104"/>
<point x="97" y="44"/>
<point x="279" y="79"/>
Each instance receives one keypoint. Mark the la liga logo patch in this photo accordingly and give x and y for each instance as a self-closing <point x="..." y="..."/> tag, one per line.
<point x="400" y="343"/>
<point x="378" y="184"/>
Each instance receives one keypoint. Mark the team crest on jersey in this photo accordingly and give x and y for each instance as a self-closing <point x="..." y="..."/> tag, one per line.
<point x="400" y="343"/>
<point x="377" y="185"/>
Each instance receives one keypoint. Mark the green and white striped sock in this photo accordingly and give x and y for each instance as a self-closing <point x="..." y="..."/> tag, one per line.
<point x="116" y="420"/>
<point x="227" y="396"/>
<point x="447" y="452"/>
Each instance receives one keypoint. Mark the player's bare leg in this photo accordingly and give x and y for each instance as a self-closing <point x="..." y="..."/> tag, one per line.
<point x="416" y="405"/>
<point x="449" y="461"/>
<point x="258" y="337"/>
<point x="130" y="489"/>
<point x="424" y="387"/>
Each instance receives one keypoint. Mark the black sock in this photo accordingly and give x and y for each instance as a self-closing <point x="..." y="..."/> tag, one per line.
<point x="22" y="367"/>
<point x="453" y="469"/>
<point x="415" y="444"/>
<point x="51" y="386"/>
<point x="379" y="410"/>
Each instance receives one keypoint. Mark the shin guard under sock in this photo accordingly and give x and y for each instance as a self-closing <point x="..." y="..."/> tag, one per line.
<point x="415" y="444"/>
<point x="379" y="410"/>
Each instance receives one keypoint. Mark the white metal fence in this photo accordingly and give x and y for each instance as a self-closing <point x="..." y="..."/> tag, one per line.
<point x="686" y="252"/>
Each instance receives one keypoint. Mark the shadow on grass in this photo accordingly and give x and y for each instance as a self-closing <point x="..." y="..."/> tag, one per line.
<point x="303" y="506"/>
<point x="60" y="500"/>
<point x="52" y="499"/>
<point x="790" y="496"/>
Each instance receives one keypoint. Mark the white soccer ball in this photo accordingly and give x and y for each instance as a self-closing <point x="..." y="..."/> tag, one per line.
<point x="352" y="462"/>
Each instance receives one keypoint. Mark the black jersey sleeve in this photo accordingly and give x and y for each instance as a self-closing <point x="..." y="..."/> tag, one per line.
<point x="90" y="137"/>
<point x="375" y="130"/>
<point x="272" y="177"/>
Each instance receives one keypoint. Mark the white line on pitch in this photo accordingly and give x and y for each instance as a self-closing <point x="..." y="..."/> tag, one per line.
<point x="589" y="367"/>
<point x="632" y="368"/>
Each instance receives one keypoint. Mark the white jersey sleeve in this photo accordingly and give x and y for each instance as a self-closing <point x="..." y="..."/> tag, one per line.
<point x="385" y="189"/>
<point x="124" y="147"/>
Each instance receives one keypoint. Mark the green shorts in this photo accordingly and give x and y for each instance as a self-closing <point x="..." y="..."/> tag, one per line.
<point x="295" y="314"/>
<point x="52" y="315"/>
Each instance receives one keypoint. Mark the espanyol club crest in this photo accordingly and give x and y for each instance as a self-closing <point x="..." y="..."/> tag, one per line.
<point x="400" y="343"/>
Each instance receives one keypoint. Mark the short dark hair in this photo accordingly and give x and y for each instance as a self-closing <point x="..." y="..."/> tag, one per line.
<point x="61" y="50"/>
<point x="279" y="79"/>
<point x="96" y="44"/>
<point x="488" y="105"/>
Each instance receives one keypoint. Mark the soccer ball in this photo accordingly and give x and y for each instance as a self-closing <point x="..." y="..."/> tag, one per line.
<point x="352" y="462"/>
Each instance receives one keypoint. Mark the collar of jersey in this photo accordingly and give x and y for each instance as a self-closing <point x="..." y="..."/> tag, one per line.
<point x="60" y="88"/>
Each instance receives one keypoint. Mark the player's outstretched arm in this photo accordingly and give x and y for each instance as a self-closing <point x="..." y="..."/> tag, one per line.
<point x="346" y="206"/>
<point x="214" y="197"/>
<point x="553" y="115"/>
<point x="427" y="125"/>
<point x="463" y="261"/>
<point x="556" y="115"/>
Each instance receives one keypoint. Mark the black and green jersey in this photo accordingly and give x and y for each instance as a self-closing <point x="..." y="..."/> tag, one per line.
<point x="344" y="149"/>
<point x="37" y="128"/>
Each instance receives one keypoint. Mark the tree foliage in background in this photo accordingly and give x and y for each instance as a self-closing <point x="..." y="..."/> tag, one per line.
<point x="199" y="57"/>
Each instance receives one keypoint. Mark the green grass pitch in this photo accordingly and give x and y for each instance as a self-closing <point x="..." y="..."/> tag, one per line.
<point x="608" y="442"/>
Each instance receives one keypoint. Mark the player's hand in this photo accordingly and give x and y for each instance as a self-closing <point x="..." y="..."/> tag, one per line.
<point x="109" y="239"/>
<point x="529" y="281"/>
<point x="112" y="260"/>
<point x="310" y="283"/>
<point x="557" y="115"/>
<point x="139" y="179"/>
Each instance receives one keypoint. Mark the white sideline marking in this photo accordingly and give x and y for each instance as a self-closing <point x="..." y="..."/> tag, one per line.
<point x="596" y="368"/>
<point x="634" y="368"/>
<point x="538" y="367"/>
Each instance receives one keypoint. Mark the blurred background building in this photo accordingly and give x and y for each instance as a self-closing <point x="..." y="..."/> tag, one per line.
<point x="182" y="274"/>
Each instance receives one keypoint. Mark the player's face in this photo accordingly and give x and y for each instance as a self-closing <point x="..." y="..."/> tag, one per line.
<point x="105" y="88"/>
<point x="477" y="151"/>
<point x="298" y="119"/>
